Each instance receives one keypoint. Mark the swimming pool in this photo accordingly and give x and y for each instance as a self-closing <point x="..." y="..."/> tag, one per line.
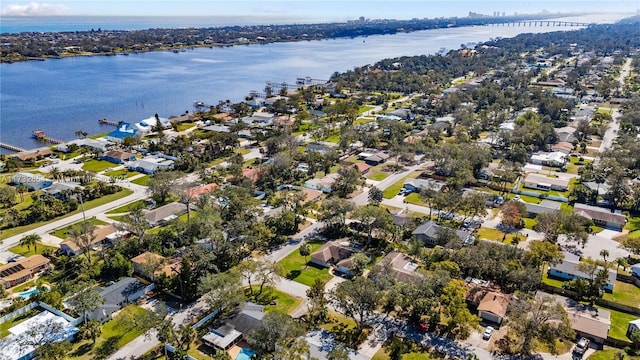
<point x="27" y="294"/>
<point x="245" y="354"/>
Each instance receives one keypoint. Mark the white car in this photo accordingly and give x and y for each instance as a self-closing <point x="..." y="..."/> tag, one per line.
<point x="487" y="333"/>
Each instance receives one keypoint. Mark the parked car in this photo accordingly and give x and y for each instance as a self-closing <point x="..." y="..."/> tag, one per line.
<point x="487" y="332"/>
<point x="581" y="347"/>
<point x="422" y="327"/>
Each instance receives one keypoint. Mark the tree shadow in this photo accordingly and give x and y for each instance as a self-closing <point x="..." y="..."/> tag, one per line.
<point x="82" y="350"/>
<point x="293" y="274"/>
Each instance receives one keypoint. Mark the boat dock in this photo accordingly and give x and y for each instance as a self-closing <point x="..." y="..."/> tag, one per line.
<point x="41" y="136"/>
<point x="109" y="122"/>
<point x="11" y="147"/>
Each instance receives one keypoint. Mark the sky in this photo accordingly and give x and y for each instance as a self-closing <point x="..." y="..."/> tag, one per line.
<point x="328" y="10"/>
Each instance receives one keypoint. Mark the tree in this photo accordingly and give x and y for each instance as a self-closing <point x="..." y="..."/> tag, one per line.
<point x="91" y="330"/>
<point x="604" y="253"/>
<point x="333" y="213"/>
<point x="31" y="240"/>
<point x="359" y="263"/>
<point x="317" y="304"/>
<point x="375" y="195"/>
<point x="116" y="266"/>
<point x="338" y="353"/>
<point x="83" y="236"/>
<point x="222" y="290"/>
<point x="57" y="350"/>
<point x="540" y="319"/>
<point x="7" y="196"/>
<point x="357" y="299"/>
<point x="81" y="134"/>
<point x="263" y="272"/>
<point x="305" y="250"/>
<point x="298" y="349"/>
<point x="21" y="189"/>
<point x="162" y="184"/>
<point x="456" y="314"/>
<point x="86" y="301"/>
<point x="276" y="329"/>
<point x="631" y="243"/>
<point x="373" y="218"/>
<point x="543" y="252"/>
<point x="512" y="214"/>
<point x="347" y="181"/>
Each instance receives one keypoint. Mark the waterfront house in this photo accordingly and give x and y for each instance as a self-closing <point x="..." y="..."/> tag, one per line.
<point x="601" y="216"/>
<point x="123" y="131"/>
<point x="100" y="145"/>
<point x="545" y="183"/>
<point x="427" y="232"/>
<point x="16" y="273"/>
<point x="32" y="155"/>
<point x="568" y="270"/>
<point x="30" y="181"/>
<point x="117" y="156"/>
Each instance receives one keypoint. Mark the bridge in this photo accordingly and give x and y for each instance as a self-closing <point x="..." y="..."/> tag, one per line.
<point x="542" y="23"/>
<point x="12" y="147"/>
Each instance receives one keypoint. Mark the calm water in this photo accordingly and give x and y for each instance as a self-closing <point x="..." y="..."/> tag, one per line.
<point x="63" y="96"/>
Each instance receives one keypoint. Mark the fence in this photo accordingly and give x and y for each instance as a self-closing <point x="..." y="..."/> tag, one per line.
<point x="540" y="196"/>
<point x="32" y="305"/>
<point x="602" y="302"/>
<point x="206" y="318"/>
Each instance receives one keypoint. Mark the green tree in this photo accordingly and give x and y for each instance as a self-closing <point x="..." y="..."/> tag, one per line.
<point x="543" y="252"/>
<point x="375" y="195"/>
<point x="456" y="314"/>
<point x="162" y="184"/>
<point x="338" y="353"/>
<point x="298" y="349"/>
<point x="305" y="250"/>
<point x="116" y="266"/>
<point x="83" y="236"/>
<point x="333" y="213"/>
<point x="91" y="330"/>
<point x="357" y="299"/>
<point x="317" y="304"/>
<point x="222" y="290"/>
<point x="373" y="218"/>
<point x="347" y="182"/>
<point x="30" y="240"/>
<point x="276" y="329"/>
<point x="86" y="301"/>
<point x="604" y="253"/>
<point x="53" y="350"/>
<point x="7" y="196"/>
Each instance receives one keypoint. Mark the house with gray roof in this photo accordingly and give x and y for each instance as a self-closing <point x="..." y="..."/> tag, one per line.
<point x="416" y="185"/>
<point x="116" y="296"/>
<point x="428" y="233"/>
<point x="150" y="164"/>
<point x="601" y="216"/>
<point x="223" y="336"/>
<point x="163" y="214"/>
<point x="544" y="207"/>
<point x="568" y="270"/>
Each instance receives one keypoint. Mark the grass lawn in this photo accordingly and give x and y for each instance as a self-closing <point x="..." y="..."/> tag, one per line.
<point x="127" y="208"/>
<point x="88" y="205"/>
<point x="392" y="190"/>
<point x="529" y="223"/>
<point x="377" y="175"/>
<point x="363" y="120"/>
<point x="275" y="300"/>
<point x="113" y="336"/>
<point x="143" y="180"/>
<point x="495" y="235"/>
<point x="97" y="136"/>
<point x="623" y="293"/>
<point x="609" y="354"/>
<point x="242" y="151"/>
<point x="619" y="323"/>
<point x="365" y="108"/>
<point x="336" y="319"/>
<point x="415" y="199"/>
<point x="185" y="126"/>
<point x="22" y="249"/>
<point x="97" y="165"/>
<point x="333" y="138"/>
<point x="122" y="173"/>
<point x="294" y="266"/>
<point x="118" y="218"/>
<point x="62" y="233"/>
<point x="633" y="224"/>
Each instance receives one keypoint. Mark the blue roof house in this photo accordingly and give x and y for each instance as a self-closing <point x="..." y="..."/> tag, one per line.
<point x="124" y="130"/>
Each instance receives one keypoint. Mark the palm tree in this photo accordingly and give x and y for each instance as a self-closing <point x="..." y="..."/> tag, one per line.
<point x="55" y="173"/>
<point x="21" y="190"/>
<point x="622" y="262"/>
<point x="604" y="253"/>
<point x="305" y="250"/>
<point x="31" y="239"/>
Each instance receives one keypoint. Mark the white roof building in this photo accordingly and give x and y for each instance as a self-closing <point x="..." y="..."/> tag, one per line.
<point x="52" y="327"/>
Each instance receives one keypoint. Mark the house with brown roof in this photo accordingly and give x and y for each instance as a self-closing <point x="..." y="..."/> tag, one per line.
<point x="402" y="266"/>
<point x="98" y="237"/>
<point x="310" y="195"/>
<point x="196" y="191"/>
<point x="33" y="155"/>
<point x="336" y="253"/>
<point x="21" y="271"/>
<point x="171" y="211"/>
<point x="600" y="216"/>
<point x="362" y="168"/>
<point x="251" y="174"/>
<point x="183" y="118"/>
<point x="563" y="147"/>
<point x="145" y="262"/>
<point x="117" y="156"/>
<point x="493" y="307"/>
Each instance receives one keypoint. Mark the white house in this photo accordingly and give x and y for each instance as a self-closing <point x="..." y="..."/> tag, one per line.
<point x="556" y="159"/>
<point x="30" y="181"/>
<point x="541" y="182"/>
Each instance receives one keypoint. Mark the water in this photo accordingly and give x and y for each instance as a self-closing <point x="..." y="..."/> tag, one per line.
<point x="27" y="294"/>
<point x="245" y="354"/>
<point x="66" y="95"/>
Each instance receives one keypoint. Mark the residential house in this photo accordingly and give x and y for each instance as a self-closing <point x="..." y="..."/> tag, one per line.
<point x="196" y="191"/>
<point x="16" y="273"/>
<point x="2" y="166"/>
<point x="563" y="147"/>
<point x="259" y="119"/>
<point x="150" y="164"/>
<point x="324" y="184"/>
<point x="600" y="216"/>
<point x="117" y="156"/>
<point x="32" y="155"/>
<point x="417" y="185"/>
<point x="401" y="265"/>
<point x="541" y="182"/>
<point x="377" y="158"/>
<point x="586" y="321"/>
<point x="428" y="233"/>
<point x="98" y="237"/>
<point x="116" y="296"/>
<point x="554" y="159"/>
<point x="183" y="118"/>
<point x="251" y="174"/>
<point x="123" y="131"/>
<point x="568" y="270"/>
<point x="566" y="134"/>
<point x="319" y="148"/>
<point x="224" y="336"/>
<point x="30" y="181"/>
<point x="311" y="195"/>
<point x="362" y="168"/>
<point x="601" y="189"/>
<point x="493" y="307"/>
<point x="544" y="207"/>
<point x="633" y="326"/>
<point x="148" y="124"/>
<point x="143" y="264"/>
<point x="61" y="190"/>
<point x="163" y="214"/>
<point x="217" y="128"/>
<point x="100" y="145"/>
<point x="335" y="253"/>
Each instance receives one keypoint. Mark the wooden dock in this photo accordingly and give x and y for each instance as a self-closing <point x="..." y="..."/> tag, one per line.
<point x="11" y="147"/>
<point x="109" y="122"/>
<point x="41" y="136"/>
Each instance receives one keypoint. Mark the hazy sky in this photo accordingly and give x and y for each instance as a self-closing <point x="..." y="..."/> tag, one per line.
<point x="307" y="9"/>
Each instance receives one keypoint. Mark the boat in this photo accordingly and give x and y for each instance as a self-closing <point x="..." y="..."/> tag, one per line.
<point x="199" y="103"/>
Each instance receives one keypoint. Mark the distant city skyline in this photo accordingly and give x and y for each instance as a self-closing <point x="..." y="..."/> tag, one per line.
<point x="300" y="10"/>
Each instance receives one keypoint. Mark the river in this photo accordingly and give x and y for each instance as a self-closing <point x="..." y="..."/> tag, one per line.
<point x="65" y="95"/>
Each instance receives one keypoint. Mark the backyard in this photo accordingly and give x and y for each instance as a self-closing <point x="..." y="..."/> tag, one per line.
<point x="624" y="293"/>
<point x="62" y="233"/>
<point x="97" y="165"/>
<point x="297" y="269"/>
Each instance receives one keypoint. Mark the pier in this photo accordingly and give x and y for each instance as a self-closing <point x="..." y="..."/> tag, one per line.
<point x="41" y="136"/>
<point x="11" y="147"/>
<point x="108" y="122"/>
<point x="541" y="23"/>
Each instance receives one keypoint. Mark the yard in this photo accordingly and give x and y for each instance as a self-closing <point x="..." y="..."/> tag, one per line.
<point x="393" y="190"/>
<point x="5" y="326"/>
<point x="300" y="271"/>
<point x="128" y="207"/>
<point x="62" y="233"/>
<point x="143" y="180"/>
<point x="619" y="323"/>
<point x="122" y="173"/>
<point x="22" y="249"/>
<point x="97" y="165"/>
<point x="495" y="235"/>
<point x="275" y="300"/>
<point x="88" y="205"/>
<point x="185" y="126"/>
<point x="114" y="336"/>
<point x="608" y="354"/>
<point x="376" y="174"/>
<point x="624" y="293"/>
<point x="409" y="350"/>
